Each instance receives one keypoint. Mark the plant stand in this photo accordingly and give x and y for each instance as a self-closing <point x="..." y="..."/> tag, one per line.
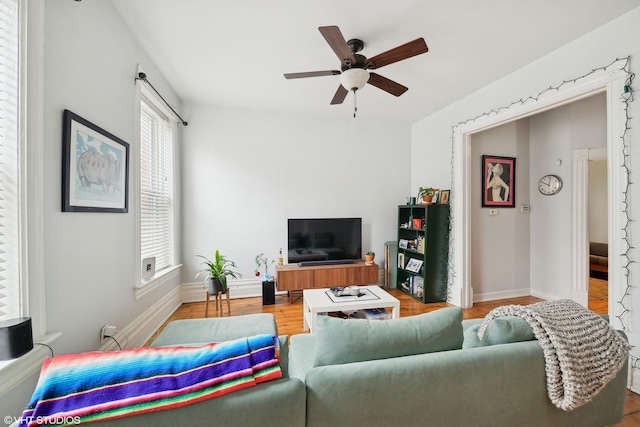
<point x="217" y="299"/>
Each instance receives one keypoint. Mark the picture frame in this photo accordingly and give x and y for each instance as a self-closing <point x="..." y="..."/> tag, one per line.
<point x="414" y="265"/>
<point x="401" y="260"/>
<point x="498" y="181"/>
<point x="95" y="168"/>
<point x="403" y="243"/>
<point x="436" y="196"/>
<point x="444" y="197"/>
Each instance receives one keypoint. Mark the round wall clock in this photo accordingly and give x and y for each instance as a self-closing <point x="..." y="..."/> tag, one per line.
<point x="550" y="185"/>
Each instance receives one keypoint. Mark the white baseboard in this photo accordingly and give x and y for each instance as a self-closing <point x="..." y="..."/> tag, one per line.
<point x="194" y="292"/>
<point x="511" y="293"/>
<point x="138" y="332"/>
<point x="545" y="295"/>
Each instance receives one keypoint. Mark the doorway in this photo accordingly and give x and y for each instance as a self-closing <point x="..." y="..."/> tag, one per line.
<point x="609" y="80"/>
<point x="598" y="235"/>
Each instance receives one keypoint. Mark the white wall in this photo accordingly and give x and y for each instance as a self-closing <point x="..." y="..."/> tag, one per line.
<point x="246" y="172"/>
<point x="500" y="244"/>
<point x="617" y="39"/>
<point x="91" y="60"/>
<point x="598" y="201"/>
<point x="555" y="135"/>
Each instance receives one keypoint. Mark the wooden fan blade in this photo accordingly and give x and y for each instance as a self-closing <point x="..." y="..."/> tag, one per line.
<point x="311" y="74"/>
<point x="387" y="85"/>
<point x="407" y="50"/>
<point x="340" y="95"/>
<point x="336" y="40"/>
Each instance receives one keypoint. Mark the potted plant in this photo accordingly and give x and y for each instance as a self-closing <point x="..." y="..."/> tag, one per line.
<point x="427" y="194"/>
<point x="368" y="257"/>
<point x="216" y="273"/>
<point x="263" y="261"/>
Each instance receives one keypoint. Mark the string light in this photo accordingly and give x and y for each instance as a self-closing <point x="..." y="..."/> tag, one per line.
<point x="627" y="97"/>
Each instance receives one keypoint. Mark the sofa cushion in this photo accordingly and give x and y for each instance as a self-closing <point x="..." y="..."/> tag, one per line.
<point x="302" y="355"/>
<point x="503" y="330"/>
<point x="189" y="331"/>
<point x="355" y="340"/>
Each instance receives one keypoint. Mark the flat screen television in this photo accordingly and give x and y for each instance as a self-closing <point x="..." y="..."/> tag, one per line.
<point x="324" y="240"/>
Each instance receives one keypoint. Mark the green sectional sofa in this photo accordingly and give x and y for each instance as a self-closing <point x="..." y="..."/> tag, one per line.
<point x="424" y="370"/>
<point x="501" y="385"/>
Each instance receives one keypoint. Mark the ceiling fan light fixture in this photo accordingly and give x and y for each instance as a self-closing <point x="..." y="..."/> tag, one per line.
<point x="354" y="78"/>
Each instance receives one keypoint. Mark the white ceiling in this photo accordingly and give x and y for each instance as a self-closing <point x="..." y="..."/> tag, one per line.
<point x="234" y="53"/>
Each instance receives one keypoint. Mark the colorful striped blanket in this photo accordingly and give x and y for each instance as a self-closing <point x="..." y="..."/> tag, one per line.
<point x="98" y="386"/>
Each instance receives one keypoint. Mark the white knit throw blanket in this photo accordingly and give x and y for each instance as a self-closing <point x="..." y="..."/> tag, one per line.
<point x="582" y="351"/>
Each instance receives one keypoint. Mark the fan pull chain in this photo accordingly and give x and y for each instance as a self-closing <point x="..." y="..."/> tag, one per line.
<point x="355" y="103"/>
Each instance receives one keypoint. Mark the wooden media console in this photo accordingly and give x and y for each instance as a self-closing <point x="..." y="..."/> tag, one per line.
<point x="292" y="277"/>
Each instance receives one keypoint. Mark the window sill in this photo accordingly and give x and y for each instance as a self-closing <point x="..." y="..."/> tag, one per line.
<point x="13" y="372"/>
<point x="158" y="280"/>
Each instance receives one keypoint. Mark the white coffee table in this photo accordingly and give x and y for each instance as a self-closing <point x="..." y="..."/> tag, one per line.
<point x="317" y="301"/>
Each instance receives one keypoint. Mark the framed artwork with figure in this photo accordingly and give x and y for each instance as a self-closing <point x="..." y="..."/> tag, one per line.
<point x="95" y="168"/>
<point x="498" y="181"/>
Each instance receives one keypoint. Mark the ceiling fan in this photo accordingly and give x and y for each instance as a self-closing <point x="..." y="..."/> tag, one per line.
<point x="355" y="68"/>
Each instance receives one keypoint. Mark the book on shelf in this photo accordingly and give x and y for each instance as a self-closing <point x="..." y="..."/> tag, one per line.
<point x="417" y="286"/>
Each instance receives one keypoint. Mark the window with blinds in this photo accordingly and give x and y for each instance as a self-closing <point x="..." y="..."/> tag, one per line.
<point x="156" y="186"/>
<point x="10" y="284"/>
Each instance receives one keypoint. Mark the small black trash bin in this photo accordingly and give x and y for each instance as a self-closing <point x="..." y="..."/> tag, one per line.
<point x="268" y="292"/>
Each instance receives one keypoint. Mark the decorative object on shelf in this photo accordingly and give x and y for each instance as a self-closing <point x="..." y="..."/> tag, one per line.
<point x="263" y="262"/>
<point x="550" y="185"/>
<point x="403" y="243"/>
<point x="400" y="260"/>
<point x="280" y="258"/>
<point x="414" y="265"/>
<point x="216" y="273"/>
<point x="420" y="244"/>
<point x="426" y="193"/>
<point x="411" y="200"/>
<point x="499" y="181"/>
<point x="444" y="197"/>
<point x="417" y="223"/>
<point x="368" y="257"/>
<point x="95" y="168"/>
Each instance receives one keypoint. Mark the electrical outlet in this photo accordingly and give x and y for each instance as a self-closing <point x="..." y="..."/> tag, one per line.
<point x="107" y="331"/>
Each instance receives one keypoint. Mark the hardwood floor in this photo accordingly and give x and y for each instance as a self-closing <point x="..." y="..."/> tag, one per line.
<point x="289" y="320"/>
<point x="598" y="295"/>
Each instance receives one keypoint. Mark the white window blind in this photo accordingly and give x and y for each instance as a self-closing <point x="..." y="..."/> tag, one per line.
<point x="156" y="186"/>
<point x="10" y="285"/>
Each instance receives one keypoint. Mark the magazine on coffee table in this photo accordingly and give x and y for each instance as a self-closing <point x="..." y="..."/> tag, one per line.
<point x="365" y="295"/>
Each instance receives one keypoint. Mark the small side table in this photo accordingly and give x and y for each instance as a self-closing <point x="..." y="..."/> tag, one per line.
<point x="217" y="299"/>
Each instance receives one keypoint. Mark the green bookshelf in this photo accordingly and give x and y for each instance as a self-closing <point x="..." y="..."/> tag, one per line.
<point x="423" y="251"/>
